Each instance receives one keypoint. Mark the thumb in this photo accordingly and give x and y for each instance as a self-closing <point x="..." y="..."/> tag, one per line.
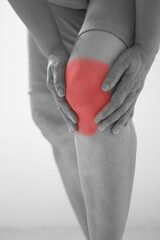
<point x="58" y="79"/>
<point x="49" y="80"/>
<point x="115" y="74"/>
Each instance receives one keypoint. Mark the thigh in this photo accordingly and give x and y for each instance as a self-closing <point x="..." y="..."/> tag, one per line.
<point x="98" y="48"/>
<point x="44" y="109"/>
<point x="69" y="22"/>
<point x="114" y="16"/>
<point x="106" y="161"/>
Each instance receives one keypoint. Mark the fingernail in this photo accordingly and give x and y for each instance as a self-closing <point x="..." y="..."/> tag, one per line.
<point x="61" y="91"/>
<point x="116" y="131"/>
<point x="105" y="87"/>
<point x="74" y="128"/>
<point x="97" y="119"/>
<point x="74" y="119"/>
<point x="101" y="128"/>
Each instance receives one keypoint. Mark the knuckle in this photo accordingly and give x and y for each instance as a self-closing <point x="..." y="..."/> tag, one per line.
<point x="125" y="78"/>
<point x="116" y="104"/>
<point x="121" y="121"/>
<point x="109" y="121"/>
<point x="123" y="88"/>
<point x="122" y="109"/>
<point x="125" y="118"/>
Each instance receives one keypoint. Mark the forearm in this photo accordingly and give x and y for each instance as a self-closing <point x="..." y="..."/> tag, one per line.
<point x="148" y="25"/>
<point x="39" y="20"/>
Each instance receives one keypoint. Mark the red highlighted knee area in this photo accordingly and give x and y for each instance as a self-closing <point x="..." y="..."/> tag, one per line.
<point x="84" y="78"/>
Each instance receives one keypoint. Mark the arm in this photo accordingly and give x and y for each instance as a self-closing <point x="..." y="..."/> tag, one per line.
<point x="39" y="20"/>
<point x="148" y="25"/>
<point x="132" y="66"/>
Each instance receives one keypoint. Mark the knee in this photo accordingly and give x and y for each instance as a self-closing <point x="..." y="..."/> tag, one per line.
<point x="84" y="78"/>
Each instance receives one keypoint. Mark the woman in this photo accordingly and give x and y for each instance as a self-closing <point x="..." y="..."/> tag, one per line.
<point x="119" y="38"/>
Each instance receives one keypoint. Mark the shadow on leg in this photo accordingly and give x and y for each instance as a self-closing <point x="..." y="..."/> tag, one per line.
<point x="49" y="120"/>
<point x="106" y="162"/>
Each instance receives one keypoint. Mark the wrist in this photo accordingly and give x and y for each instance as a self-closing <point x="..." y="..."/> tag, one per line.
<point x="58" y="51"/>
<point x="146" y="56"/>
<point x="149" y="43"/>
<point x="148" y="50"/>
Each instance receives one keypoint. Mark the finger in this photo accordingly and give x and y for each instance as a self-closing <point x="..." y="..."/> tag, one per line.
<point x="58" y="78"/>
<point x="49" y="81"/>
<point x="130" y="118"/>
<point x="60" y="101"/>
<point x="116" y="101"/>
<point x="118" y="97"/>
<point x="123" y="89"/>
<point x="72" y="127"/>
<point x="51" y="86"/>
<point x="123" y="120"/>
<point x="115" y="74"/>
<point x="67" y="110"/>
<point x="118" y="113"/>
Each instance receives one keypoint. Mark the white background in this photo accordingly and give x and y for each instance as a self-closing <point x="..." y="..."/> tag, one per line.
<point x="31" y="191"/>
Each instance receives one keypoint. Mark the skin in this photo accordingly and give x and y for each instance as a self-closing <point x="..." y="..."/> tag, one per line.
<point x="48" y="39"/>
<point x="83" y="88"/>
<point x="51" y="45"/>
<point x="49" y="120"/>
<point x="106" y="162"/>
<point x="147" y="38"/>
<point x="46" y="36"/>
<point x="55" y="80"/>
<point x="132" y="67"/>
<point x="134" y="64"/>
<point x="119" y="111"/>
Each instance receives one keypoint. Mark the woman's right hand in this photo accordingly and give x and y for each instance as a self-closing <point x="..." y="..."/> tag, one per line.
<point x="57" y="62"/>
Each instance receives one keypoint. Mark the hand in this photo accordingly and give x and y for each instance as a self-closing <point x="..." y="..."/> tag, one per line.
<point x="129" y="73"/>
<point x="56" y="84"/>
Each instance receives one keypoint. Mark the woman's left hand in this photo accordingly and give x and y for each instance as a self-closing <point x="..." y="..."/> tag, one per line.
<point x="129" y="73"/>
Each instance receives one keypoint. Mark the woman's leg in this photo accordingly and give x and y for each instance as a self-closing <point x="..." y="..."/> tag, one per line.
<point x="48" y="118"/>
<point x="106" y="162"/>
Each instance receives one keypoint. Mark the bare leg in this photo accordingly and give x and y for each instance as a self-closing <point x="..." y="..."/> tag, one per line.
<point x="106" y="162"/>
<point x="49" y="120"/>
<point x="54" y="128"/>
<point x="66" y="161"/>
